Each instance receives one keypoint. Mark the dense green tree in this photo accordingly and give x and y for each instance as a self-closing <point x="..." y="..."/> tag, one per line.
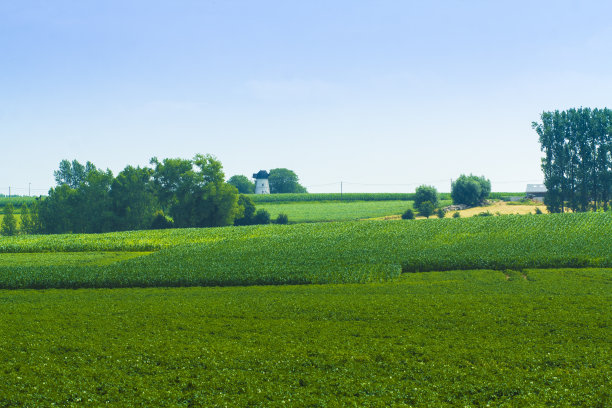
<point x="261" y="217"/>
<point x="9" y="222"/>
<point x="246" y="215"/>
<point x="133" y="198"/>
<point x="284" y="181"/>
<point x="94" y="206"/>
<point x="470" y="190"/>
<point x="72" y="174"/>
<point x="27" y="227"/>
<point x="577" y="162"/>
<point x="242" y="183"/>
<point x="194" y="192"/>
<point x="56" y="212"/>
<point x="424" y="194"/>
<point x="427" y="209"/>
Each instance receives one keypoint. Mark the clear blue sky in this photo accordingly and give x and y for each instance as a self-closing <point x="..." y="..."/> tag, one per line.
<point x="387" y="94"/>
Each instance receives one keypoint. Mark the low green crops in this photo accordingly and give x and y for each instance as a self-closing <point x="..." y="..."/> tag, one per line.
<point x="306" y="211"/>
<point x="441" y="339"/>
<point x="313" y="253"/>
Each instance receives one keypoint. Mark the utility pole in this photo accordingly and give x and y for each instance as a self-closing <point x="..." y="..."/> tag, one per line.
<point x="9" y="191"/>
<point x="29" y="189"/>
<point x="340" y="191"/>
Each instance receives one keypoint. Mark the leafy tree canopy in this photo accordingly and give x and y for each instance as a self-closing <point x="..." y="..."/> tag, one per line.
<point x="284" y="181"/>
<point x="242" y="183"/>
<point x="9" y="222"/>
<point x="424" y="194"/>
<point x="470" y="190"/>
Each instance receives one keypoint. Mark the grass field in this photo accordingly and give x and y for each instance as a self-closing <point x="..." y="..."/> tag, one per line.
<point x="457" y="338"/>
<point x="306" y="211"/>
<point x="345" y="252"/>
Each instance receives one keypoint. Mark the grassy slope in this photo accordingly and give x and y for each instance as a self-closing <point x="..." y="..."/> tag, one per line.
<point x="439" y="339"/>
<point x="304" y="211"/>
<point x="320" y="253"/>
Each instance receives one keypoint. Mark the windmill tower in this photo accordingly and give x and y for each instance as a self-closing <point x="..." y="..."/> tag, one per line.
<point x="261" y="182"/>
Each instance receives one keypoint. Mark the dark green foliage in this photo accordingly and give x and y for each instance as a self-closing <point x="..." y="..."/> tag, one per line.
<point x="577" y="163"/>
<point x="408" y="214"/>
<point x="427" y="209"/>
<point x="456" y="214"/>
<point x="425" y="194"/>
<point x="282" y="219"/>
<point x="440" y="213"/>
<point x="470" y="190"/>
<point x="242" y="183"/>
<point x="194" y="193"/>
<point x="27" y="226"/>
<point x="441" y="339"/>
<point x="247" y="211"/>
<point x="284" y="181"/>
<point x="8" y="226"/>
<point x="89" y="200"/>
<point x="538" y="211"/>
<point x="261" y="217"/>
<point x="133" y="199"/>
<point x="160" y="221"/>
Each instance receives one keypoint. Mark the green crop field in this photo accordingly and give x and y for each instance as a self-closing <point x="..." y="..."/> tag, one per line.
<point x="313" y="253"/>
<point x="307" y="211"/>
<point x="443" y="339"/>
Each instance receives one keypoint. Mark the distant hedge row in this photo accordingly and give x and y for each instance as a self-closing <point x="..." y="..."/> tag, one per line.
<point x="278" y="198"/>
<point x="16" y="201"/>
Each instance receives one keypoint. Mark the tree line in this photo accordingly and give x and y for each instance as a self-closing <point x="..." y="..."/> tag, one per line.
<point x="577" y="163"/>
<point x="172" y="193"/>
<point x="280" y="180"/>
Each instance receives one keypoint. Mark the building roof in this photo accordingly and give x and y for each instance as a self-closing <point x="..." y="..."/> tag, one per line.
<point x="262" y="174"/>
<point x="536" y="188"/>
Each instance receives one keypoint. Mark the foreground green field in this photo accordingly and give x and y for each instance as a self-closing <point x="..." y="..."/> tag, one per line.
<point x="459" y="338"/>
<point x="347" y="252"/>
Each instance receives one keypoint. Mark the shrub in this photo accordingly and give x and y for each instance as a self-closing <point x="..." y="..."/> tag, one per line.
<point x="427" y="209"/>
<point x="483" y="214"/>
<point x="408" y="215"/>
<point x="440" y="213"/>
<point x="456" y="214"/>
<point x="282" y="219"/>
<point x="538" y="211"/>
<point x="262" y="217"/>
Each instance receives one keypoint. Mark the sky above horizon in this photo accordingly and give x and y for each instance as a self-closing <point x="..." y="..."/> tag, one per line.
<point x="381" y="95"/>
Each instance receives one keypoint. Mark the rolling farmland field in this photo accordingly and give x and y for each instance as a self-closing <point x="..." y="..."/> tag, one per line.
<point x="306" y="211"/>
<point x="440" y="312"/>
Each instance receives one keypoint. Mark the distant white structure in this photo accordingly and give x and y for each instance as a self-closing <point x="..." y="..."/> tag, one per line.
<point x="536" y="192"/>
<point x="261" y="182"/>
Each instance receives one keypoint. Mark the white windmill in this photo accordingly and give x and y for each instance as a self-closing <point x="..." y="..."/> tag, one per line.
<point x="261" y="182"/>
